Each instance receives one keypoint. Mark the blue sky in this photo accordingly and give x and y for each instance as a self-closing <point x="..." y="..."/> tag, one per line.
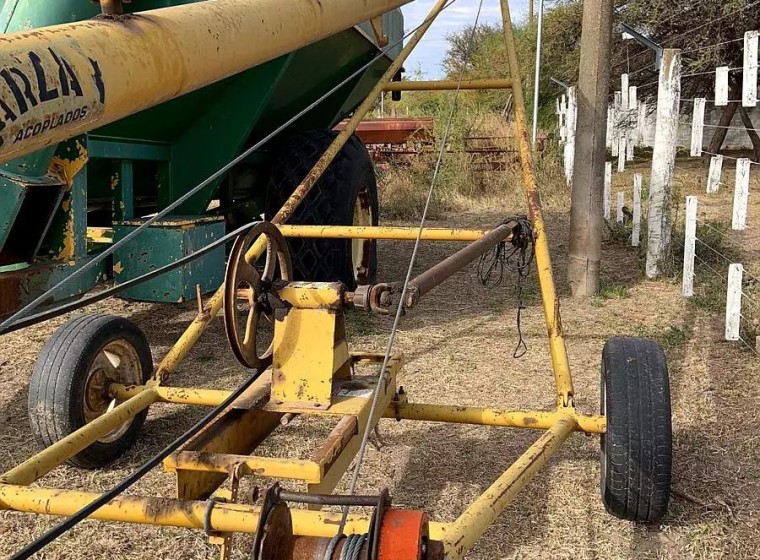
<point x="431" y="50"/>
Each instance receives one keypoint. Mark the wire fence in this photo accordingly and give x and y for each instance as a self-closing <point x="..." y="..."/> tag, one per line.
<point x="707" y="191"/>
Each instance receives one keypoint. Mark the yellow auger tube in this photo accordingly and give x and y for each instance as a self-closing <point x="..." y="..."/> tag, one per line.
<point x="101" y="70"/>
<point x="196" y="328"/>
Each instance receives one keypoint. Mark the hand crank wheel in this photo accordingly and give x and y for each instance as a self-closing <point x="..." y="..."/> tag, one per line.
<point x="245" y="291"/>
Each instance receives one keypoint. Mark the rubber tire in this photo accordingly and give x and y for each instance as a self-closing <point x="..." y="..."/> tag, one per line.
<point x="637" y="448"/>
<point x="57" y="384"/>
<point x="330" y="202"/>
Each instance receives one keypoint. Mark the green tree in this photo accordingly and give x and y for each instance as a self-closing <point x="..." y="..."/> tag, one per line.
<point x="709" y="34"/>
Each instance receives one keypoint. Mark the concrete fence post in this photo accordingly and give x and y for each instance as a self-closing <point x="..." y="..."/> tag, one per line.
<point x="663" y="163"/>
<point x="607" y="190"/>
<point x="620" y="204"/>
<point x="636" y="227"/>
<point x="749" y="76"/>
<point x="570" y="119"/>
<point x="690" y="247"/>
<point x="721" y="86"/>
<point x="698" y="126"/>
<point x="715" y="174"/>
<point x="741" y="194"/>
<point x="734" y="302"/>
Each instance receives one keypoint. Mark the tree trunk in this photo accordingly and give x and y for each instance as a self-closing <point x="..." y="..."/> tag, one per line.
<point x="719" y="136"/>
<point x="747" y="121"/>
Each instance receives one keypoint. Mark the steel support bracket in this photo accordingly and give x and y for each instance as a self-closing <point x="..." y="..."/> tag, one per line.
<point x="645" y="41"/>
<point x="309" y="347"/>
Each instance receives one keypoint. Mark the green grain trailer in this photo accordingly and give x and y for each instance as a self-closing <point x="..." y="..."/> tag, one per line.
<point x="138" y="165"/>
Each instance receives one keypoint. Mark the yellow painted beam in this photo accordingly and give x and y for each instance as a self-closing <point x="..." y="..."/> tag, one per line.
<point x="175" y="395"/>
<point x="381" y="232"/>
<point x="562" y="379"/>
<point x="225" y="517"/>
<point x="461" y="535"/>
<point x="534" y="419"/>
<point x="100" y="70"/>
<point x="271" y="467"/>
<point x="46" y="460"/>
<point x="447" y="85"/>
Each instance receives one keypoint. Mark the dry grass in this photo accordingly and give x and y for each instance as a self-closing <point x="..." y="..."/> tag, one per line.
<point x="460" y="187"/>
<point x="458" y="345"/>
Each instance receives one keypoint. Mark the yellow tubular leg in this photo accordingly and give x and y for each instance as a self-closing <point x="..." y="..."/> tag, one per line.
<point x="462" y="534"/>
<point x="175" y="395"/>
<point x="45" y="461"/>
<point x="562" y="378"/>
<point x="534" y="419"/>
<point x="196" y="328"/>
<point x="225" y="518"/>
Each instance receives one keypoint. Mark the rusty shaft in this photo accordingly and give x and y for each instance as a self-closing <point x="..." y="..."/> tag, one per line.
<point x="441" y="272"/>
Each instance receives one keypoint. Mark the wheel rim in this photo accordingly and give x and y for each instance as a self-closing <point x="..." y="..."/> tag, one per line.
<point x="116" y="362"/>
<point x="361" y="249"/>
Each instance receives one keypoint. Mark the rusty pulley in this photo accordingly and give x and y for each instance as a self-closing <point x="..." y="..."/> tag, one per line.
<point x="246" y="289"/>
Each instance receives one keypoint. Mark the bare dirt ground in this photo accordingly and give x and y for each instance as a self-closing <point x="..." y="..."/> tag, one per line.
<point x="458" y="345"/>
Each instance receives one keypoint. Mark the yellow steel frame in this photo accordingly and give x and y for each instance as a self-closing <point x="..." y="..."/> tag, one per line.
<point x="322" y="472"/>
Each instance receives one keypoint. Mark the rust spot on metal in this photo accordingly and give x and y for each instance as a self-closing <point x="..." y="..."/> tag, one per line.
<point x="158" y="508"/>
<point x="336" y="442"/>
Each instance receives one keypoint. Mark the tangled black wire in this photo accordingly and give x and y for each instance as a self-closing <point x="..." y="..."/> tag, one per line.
<point x="494" y="264"/>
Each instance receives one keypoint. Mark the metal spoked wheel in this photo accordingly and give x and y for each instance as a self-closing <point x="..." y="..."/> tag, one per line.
<point x="117" y="362"/>
<point x="246" y="287"/>
<point x="70" y="383"/>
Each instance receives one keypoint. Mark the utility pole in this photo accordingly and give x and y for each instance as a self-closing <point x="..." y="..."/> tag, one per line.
<point x="586" y="209"/>
<point x="530" y="11"/>
<point x="537" y="73"/>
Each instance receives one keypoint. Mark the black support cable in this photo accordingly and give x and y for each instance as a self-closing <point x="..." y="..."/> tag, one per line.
<point x="105" y="294"/>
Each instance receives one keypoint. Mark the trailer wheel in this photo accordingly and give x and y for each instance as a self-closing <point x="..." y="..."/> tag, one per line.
<point x="637" y="448"/>
<point x="69" y="385"/>
<point x="346" y="194"/>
